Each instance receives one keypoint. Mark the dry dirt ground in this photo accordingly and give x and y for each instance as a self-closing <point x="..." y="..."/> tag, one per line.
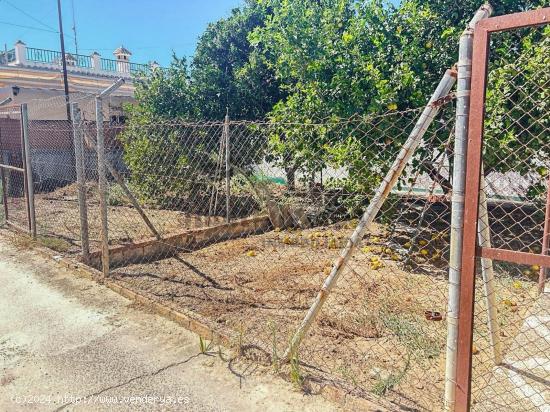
<point x="372" y="334"/>
<point x="58" y="219"/>
<point x="68" y="343"/>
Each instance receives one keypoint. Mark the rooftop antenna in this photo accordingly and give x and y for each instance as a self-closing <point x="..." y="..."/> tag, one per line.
<point x="74" y="30"/>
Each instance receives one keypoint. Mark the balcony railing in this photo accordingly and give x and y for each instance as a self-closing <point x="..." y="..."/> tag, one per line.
<point x="55" y="58"/>
<point x="139" y="68"/>
<point x="23" y="55"/>
<point x="110" y="65"/>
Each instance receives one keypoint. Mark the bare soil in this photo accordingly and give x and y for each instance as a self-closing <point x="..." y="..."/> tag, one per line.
<point x="372" y="335"/>
<point x="58" y="219"/>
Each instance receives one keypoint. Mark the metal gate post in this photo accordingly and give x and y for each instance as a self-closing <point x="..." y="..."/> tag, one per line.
<point x="471" y="215"/>
<point x="2" y="173"/>
<point x="102" y="172"/>
<point x="463" y="87"/>
<point x="27" y="164"/>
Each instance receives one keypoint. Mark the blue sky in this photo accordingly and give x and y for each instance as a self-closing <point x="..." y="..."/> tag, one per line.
<point x="151" y="29"/>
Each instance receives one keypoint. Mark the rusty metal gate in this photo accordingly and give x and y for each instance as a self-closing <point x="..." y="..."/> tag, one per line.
<point x="508" y="138"/>
<point x="15" y="170"/>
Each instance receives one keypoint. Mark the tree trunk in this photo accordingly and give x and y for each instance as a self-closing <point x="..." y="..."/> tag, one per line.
<point x="291" y="177"/>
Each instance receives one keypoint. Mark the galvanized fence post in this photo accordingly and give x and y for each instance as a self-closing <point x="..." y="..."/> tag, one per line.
<point x="462" y="376"/>
<point x="463" y="88"/>
<point x="488" y="274"/>
<point x="103" y="188"/>
<point x="2" y="173"/>
<point x="4" y="193"/>
<point x="457" y="211"/>
<point x="120" y="180"/>
<point x="227" y="169"/>
<point x="29" y="183"/>
<point x="81" y="179"/>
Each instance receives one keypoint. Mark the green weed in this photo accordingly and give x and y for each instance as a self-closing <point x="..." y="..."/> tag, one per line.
<point x="296" y="376"/>
<point x="275" y="362"/>
<point x="54" y="243"/>
<point x="203" y="346"/>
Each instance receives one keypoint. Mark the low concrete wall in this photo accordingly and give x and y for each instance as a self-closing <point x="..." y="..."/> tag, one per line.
<point x="185" y="241"/>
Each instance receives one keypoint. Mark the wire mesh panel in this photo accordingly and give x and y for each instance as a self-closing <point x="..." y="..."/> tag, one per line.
<point x="52" y="159"/>
<point x="12" y="175"/>
<point x="52" y="143"/>
<point x="511" y="362"/>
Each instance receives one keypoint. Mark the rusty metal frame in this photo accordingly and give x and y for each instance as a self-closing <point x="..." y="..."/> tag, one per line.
<point x="471" y="251"/>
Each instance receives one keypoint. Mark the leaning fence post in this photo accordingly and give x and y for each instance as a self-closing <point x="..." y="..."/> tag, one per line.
<point x="120" y="180"/>
<point x="102" y="173"/>
<point x="28" y="168"/>
<point x="227" y="169"/>
<point x="488" y="274"/>
<point x="391" y="178"/>
<point x="102" y="178"/>
<point x="457" y="201"/>
<point x="81" y="179"/>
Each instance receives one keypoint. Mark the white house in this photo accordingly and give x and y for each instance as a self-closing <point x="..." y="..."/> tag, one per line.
<point x="28" y="74"/>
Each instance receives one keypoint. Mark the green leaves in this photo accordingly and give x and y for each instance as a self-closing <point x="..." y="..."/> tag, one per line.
<point x="300" y="62"/>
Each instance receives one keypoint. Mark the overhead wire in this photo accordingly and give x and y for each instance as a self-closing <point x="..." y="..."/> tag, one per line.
<point x="47" y="28"/>
<point x="27" y="27"/>
<point x="30" y="16"/>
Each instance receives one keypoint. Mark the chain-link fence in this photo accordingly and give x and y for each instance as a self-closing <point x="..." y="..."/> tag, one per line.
<point x="295" y="193"/>
<point x="242" y="225"/>
<point x="242" y="239"/>
<point x="54" y="175"/>
<point x="238" y="223"/>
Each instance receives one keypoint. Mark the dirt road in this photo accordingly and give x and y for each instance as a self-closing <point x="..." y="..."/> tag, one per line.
<point x="67" y="343"/>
